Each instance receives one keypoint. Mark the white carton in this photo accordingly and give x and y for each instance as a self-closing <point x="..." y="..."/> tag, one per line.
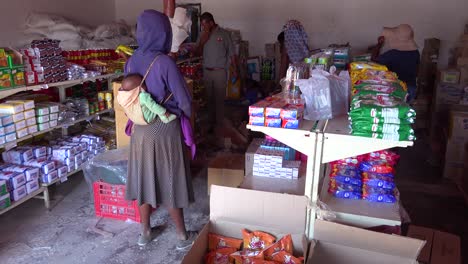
<point x="20" y="125"/>
<point x="32" y="186"/>
<point x="232" y="210"/>
<point x="18" y="194"/>
<point x="29" y="114"/>
<point x="31" y="121"/>
<point x="340" y="244"/>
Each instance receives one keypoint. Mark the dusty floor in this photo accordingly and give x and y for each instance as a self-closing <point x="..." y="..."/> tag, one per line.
<point x="30" y="234"/>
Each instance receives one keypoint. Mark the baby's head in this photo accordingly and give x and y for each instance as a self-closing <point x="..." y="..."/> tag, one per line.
<point x="132" y="81"/>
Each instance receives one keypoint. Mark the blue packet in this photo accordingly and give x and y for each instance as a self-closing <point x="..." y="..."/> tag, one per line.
<point x="347" y="180"/>
<point x="347" y="195"/>
<point x="381" y="198"/>
<point x="380" y="184"/>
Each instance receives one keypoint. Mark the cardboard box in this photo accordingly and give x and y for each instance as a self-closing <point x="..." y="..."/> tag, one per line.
<point x="120" y="119"/>
<point x="274" y="185"/>
<point x="232" y="210"/>
<point x="464" y="75"/>
<point x="458" y="129"/>
<point x="226" y="170"/>
<point x="441" y="247"/>
<point x="340" y="244"/>
<point x="249" y="155"/>
<point x="449" y="93"/>
<point x="463" y="61"/>
<point x="451" y="76"/>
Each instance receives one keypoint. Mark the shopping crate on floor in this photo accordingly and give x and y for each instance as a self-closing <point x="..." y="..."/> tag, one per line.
<point x="109" y="202"/>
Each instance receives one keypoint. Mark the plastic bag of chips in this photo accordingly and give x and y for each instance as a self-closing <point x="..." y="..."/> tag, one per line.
<point x="220" y="256"/>
<point x="377" y="166"/>
<point x="347" y="195"/>
<point x="345" y="180"/>
<point x="351" y="161"/>
<point x="343" y="187"/>
<point x="247" y="256"/>
<point x="284" y="257"/>
<point x="371" y="108"/>
<point x="344" y="171"/>
<point x="382" y="128"/>
<point x="257" y="240"/>
<point x="216" y="242"/>
<point x="386" y="155"/>
<point x="284" y="244"/>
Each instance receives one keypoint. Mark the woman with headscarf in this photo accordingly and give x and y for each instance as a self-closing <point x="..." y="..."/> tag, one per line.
<point x="294" y="45"/>
<point x="158" y="169"/>
<point x="401" y="55"/>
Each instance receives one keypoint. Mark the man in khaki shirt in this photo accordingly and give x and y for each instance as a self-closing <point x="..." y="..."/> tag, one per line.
<point x="216" y="46"/>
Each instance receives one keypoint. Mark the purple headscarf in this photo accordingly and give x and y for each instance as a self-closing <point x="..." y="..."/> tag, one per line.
<point x="154" y="37"/>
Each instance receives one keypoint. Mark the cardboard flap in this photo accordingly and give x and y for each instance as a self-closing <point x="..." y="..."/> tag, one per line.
<point x="277" y="211"/>
<point x="367" y="240"/>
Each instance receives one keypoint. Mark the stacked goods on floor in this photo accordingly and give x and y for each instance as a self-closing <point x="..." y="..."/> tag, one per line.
<point x="275" y="160"/>
<point x="378" y="107"/>
<point x="276" y="112"/>
<point x="369" y="177"/>
<point x="255" y="247"/>
<point x="11" y="69"/>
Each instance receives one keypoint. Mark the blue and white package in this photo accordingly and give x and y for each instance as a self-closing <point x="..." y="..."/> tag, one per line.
<point x="32" y="186"/>
<point x="46" y="166"/>
<point x="30" y="173"/>
<point x="347" y="195"/>
<point x="49" y="177"/>
<point x="17" y="156"/>
<point x="14" y="180"/>
<point x="348" y="180"/>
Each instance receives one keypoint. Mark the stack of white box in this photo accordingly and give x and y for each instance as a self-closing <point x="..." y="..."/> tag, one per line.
<point x="271" y="164"/>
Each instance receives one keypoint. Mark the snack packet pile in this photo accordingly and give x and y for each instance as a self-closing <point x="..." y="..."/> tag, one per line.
<point x="378" y="107"/>
<point x="369" y="177"/>
<point x="254" y="247"/>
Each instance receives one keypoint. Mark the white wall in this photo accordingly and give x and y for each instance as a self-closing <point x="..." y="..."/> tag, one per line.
<point x="88" y="12"/>
<point x="331" y="21"/>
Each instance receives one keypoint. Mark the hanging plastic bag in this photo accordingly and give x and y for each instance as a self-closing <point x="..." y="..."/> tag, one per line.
<point x="316" y="93"/>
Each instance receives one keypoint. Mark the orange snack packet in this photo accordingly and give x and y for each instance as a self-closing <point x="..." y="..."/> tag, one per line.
<point x="255" y="261"/>
<point x="257" y="240"/>
<point x="216" y="242"/>
<point x="220" y="256"/>
<point x="284" y="244"/>
<point x="246" y="256"/>
<point x="284" y="257"/>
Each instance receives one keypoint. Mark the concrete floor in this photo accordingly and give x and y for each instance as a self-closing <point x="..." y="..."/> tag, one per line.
<point x="31" y="234"/>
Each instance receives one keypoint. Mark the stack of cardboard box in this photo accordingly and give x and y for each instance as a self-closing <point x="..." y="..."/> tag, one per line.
<point x="456" y="153"/>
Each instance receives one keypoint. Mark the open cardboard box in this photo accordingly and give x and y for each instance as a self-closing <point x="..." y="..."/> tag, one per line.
<point x="339" y="244"/>
<point x="232" y="210"/>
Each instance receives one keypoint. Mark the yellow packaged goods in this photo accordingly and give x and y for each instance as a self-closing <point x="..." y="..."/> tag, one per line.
<point x="257" y="240"/>
<point x="27" y="104"/>
<point x="216" y="242"/>
<point x="11" y="108"/>
<point x="357" y="66"/>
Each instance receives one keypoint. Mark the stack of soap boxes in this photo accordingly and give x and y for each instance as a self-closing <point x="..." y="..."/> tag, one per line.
<point x="275" y="163"/>
<point x="47" y="115"/>
<point x="17" y="120"/>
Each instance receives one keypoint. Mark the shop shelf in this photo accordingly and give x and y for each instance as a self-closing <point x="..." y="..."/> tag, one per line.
<point x="17" y="203"/>
<point x="14" y="90"/>
<point x="339" y="143"/>
<point x="13" y="144"/>
<point x="302" y="139"/>
<point x="360" y="213"/>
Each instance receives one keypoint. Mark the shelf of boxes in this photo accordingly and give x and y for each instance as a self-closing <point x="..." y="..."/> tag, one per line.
<point x="24" y="199"/>
<point x="66" y="84"/>
<point x="13" y="144"/>
<point x="326" y="141"/>
<point x="360" y="213"/>
<point x="62" y="179"/>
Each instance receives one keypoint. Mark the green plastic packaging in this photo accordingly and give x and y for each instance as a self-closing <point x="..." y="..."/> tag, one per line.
<point x="402" y="136"/>
<point x="372" y="108"/>
<point x="382" y="128"/>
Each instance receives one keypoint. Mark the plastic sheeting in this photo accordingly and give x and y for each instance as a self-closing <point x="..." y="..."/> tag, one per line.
<point x="109" y="167"/>
<point x="326" y="95"/>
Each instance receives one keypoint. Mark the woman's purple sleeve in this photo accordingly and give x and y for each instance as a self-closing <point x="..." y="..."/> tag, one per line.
<point x="178" y="86"/>
<point x="129" y="126"/>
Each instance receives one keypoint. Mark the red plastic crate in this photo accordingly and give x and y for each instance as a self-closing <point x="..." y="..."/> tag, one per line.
<point x="109" y="202"/>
